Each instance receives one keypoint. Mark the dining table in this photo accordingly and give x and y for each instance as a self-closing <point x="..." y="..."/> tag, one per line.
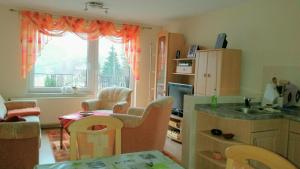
<point x="136" y="160"/>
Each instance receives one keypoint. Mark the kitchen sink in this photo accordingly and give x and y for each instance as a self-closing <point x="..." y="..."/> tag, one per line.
<point x="252" y="110"/>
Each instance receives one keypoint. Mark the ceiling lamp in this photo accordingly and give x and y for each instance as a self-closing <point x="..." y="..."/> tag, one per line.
<point x="94" y="4"/>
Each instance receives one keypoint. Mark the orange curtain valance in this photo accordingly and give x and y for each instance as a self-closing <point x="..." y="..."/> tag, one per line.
<point x="35" y="25"/>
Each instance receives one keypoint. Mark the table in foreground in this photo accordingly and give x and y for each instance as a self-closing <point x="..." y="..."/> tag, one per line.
<point x="139" y="160"/>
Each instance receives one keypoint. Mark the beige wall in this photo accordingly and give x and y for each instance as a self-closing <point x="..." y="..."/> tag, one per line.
<point x="13" y="86"/>
<point x="266" y="31"/>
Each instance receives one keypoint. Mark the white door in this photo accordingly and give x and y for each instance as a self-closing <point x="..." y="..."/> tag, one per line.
<point x="201" y="67"/>
<point x="211" y="82"/>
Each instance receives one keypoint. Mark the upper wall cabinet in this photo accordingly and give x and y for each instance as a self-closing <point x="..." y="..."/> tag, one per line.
<point x="218" y="69"/>
<point x="167" y="45"/>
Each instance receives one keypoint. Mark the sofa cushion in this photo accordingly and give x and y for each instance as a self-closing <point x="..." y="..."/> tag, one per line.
<point x="34" y="111"/>
<point x="3" y="109"/>
<point x="13" y="119"/>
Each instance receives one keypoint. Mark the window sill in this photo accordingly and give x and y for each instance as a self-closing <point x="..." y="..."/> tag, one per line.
<point x="59" y="95"/>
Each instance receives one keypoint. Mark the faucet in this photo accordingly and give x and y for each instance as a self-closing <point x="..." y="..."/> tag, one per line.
<point x="247" y="102"/>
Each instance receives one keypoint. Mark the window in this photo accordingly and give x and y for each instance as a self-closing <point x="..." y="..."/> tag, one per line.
<point x="68" y="61"/>
<point x="114" y="69"/>
<point x="62" y="62"/>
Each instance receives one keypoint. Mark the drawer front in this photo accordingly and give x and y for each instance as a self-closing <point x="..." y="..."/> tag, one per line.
<point x="265" y="125"/>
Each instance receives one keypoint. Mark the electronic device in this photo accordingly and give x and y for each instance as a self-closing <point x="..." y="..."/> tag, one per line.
<point x="221" y="41"/>
<point x="177" y="91"/>
<point x="291" y="95"/>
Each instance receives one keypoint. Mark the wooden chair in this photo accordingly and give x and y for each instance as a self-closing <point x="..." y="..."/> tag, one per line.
<point x="238" y="156"/>
<point x="86" y="142"/>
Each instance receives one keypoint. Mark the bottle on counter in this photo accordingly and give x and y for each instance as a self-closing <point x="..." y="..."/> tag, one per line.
<point x="214" y="100"/>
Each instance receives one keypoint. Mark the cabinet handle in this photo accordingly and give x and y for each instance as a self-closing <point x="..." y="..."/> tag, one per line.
<point x="208" y="75"/>
<point x="204" y="74"/>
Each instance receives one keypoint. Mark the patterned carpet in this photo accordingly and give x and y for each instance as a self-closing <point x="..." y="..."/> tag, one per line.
<point x="54" y="138"/>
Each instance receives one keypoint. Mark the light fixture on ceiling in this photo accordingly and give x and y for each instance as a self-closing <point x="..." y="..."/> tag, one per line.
<point x="94" y="4"/>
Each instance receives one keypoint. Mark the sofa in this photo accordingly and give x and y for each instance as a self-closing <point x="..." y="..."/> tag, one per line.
<point x="20" y="137"/>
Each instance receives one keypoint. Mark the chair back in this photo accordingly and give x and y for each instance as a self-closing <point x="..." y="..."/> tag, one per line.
<point x="111" y="95"/>
<point x="87" y="142"/>
<point x="238" y="157"/>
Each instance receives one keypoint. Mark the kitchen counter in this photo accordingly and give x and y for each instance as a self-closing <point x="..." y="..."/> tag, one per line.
<point x="229" y="110"/>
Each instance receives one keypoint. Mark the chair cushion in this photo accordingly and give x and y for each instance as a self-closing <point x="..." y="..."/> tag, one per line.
<point x="3" y="109"/>
<point x="34" y="111"/>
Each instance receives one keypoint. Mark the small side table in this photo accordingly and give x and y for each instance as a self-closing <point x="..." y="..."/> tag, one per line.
<point x="66" y="120"/>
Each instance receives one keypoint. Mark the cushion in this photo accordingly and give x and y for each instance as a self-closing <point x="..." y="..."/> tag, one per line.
<point x="13" y="119"/>
<point x="3" y="109"/>
<point x="34" y="111"/>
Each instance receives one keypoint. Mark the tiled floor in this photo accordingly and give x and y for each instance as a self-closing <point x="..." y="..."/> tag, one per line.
<point x="173" y="148"/>
<point x="46" y="155"/>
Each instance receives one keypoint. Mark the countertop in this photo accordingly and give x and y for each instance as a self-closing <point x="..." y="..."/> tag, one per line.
<point x="229" y="110"/>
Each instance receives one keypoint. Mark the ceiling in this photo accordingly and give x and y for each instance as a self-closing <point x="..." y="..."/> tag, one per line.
<point x="152" y="12"/>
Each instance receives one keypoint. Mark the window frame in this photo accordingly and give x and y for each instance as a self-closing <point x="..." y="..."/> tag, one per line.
<point x="92" y="52"/>
<point x="92" y="77"/>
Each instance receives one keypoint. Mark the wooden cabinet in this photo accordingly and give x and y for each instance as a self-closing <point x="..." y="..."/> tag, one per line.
<point x="294" y="148"/>
<point x="261" y="133"/>
<point x="167" y="45"/>
<point x="265" y="139"/>
<point x="293" y="144"/>
<point x="217" y="69"/>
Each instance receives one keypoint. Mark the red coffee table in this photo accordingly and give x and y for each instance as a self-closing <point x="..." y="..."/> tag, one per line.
<point x="66" y="120"/>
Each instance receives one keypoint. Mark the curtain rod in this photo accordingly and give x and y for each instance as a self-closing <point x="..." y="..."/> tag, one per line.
<point x="119" y="24"/>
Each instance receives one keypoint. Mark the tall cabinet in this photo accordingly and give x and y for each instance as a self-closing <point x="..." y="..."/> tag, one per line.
<point x="167" y="45"/>
<point x="217" y="69"/>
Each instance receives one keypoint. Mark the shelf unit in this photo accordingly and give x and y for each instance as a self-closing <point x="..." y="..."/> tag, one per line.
<point x="184" y="59"/>
<point x="175" y="125"/>
<point x="219" y="139"/>
<point x="188" y="74"/>
<point x="185" y="66"/>
<point x="261" y="133"/>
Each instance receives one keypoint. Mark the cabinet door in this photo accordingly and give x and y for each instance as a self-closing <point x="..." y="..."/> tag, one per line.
<point x="211" y="82"/>
<point x="265" y="139"/>
<point x="294" y="148"/>
<point x="201" y="67"/>
<point x="161" y="63"/>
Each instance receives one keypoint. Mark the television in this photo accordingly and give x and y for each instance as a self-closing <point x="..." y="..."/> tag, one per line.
<point x="177" y="91"/>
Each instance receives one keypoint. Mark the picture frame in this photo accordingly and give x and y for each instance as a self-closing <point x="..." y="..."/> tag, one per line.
<point x="192" y="51"/>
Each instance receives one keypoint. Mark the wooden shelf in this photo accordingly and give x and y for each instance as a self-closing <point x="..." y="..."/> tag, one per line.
<point x="219" y="139"/>
<point x="174" y="138"/>
<point x="184" y="59"/>
<point x="175" y="117"/>
<point x="209" y="156"/>
<point x="174" y="127"/>
<point x="188" y="74"/>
